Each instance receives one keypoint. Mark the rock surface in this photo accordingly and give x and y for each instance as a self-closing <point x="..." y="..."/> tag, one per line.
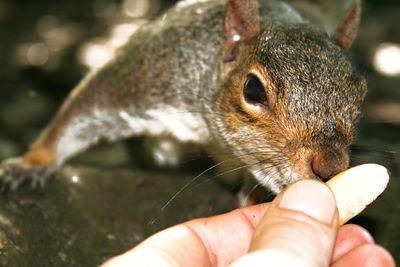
<point x="86" y="214"/>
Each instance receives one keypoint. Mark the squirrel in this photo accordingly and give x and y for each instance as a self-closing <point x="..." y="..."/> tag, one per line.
<point x="255" y="79"/>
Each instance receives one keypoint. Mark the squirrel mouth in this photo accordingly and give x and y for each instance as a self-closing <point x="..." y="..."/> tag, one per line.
<point x="322" y="179"/>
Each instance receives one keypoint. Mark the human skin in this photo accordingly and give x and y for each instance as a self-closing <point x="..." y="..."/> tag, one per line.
<point x="299" y="228"/>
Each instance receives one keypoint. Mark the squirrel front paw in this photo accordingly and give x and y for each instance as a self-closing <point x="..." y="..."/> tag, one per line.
<point x="13" y="173"/>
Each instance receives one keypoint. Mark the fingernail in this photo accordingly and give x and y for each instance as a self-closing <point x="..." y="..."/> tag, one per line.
<point x="312" y="198"/>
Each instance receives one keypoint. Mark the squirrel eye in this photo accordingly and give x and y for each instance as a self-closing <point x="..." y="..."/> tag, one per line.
<point x="254" y="91"/>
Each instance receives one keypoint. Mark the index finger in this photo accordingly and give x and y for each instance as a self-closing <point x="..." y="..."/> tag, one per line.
<point x="213" y="241"/>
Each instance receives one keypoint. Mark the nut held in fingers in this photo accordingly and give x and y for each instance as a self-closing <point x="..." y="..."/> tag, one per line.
<point x="356" y="188"/>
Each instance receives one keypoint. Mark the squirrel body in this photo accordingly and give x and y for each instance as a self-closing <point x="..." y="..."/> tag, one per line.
<point x="255" y="77"/>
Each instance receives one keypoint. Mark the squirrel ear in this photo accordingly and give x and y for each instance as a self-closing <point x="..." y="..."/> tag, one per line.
<point x="240" y="23"/>
<point x="347" y="31"/>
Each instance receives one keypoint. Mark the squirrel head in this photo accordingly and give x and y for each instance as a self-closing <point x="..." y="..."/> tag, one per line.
<point x="289" y="98"/>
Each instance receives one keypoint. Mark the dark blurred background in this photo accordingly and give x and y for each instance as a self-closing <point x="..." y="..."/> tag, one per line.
<point x="47" y="46"/>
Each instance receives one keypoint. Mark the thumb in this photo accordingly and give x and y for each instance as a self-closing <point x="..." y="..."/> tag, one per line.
<point x="299" y="228"/>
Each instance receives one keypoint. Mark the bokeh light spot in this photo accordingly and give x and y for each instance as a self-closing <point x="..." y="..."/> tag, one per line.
<point x="37" y="54"/>
<point x="386" y="59"/>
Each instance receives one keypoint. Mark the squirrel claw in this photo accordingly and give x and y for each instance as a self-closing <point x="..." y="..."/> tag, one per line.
<point x="13" y="173"/>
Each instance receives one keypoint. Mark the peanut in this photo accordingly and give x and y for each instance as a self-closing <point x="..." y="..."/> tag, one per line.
<point x="356" y="188"/>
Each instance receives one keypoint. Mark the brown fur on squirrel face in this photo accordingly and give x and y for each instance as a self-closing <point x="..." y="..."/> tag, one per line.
<point x="254" y="78"/>
<point x="302" y="123"/>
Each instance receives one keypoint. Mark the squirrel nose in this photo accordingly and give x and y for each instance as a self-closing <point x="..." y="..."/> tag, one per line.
<point x="326" y="164"/>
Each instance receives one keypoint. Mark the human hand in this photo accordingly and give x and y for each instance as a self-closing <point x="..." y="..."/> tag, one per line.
<point x="299" y="228"/>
